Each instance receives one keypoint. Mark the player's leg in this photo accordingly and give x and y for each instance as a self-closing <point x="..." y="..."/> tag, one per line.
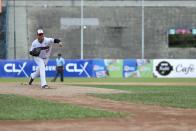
<point x="31" y="81"/>
<point x="43" y="77"/>
<point x="34" y="75"/>
<point x="40" y="62"/>
<point x="62" y="75"/>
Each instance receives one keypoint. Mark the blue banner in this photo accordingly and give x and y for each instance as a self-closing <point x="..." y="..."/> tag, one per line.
<point x="15" y="68"/>
<point x="78" y="68"/>
<point x="98" y="68"/>
<point x="129" y="68"/>
<point x="23" y="68"/>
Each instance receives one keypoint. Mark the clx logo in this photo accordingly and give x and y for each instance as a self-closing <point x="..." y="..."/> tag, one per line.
<point x="73" y="67"/>
<point x="11" y="68"/>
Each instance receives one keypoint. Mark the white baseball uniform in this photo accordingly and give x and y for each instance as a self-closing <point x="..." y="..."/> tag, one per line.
<point x="42" y="59"/>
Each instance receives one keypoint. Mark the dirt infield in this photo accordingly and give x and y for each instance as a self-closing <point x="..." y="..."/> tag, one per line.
<point x="142" y="118"/>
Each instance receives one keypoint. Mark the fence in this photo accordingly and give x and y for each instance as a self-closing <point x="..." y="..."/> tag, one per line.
<point x="102" y="29"/>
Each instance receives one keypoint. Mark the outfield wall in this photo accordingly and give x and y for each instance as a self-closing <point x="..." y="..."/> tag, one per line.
<point x="106" y="68"/>
<point x="98" y="68"/>
<point x="112" y="29"/>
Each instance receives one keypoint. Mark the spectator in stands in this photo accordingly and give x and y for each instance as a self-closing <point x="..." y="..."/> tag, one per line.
<point x="60" y="62"/>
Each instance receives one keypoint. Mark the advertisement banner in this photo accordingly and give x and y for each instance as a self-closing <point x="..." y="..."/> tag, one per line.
<point x="144" y="68"/>
<point x="12" y="68"/>
<point x="23" y="68"/>
<point x="129" y="68"/>
<point x="99" y="69"/>
<point x="78" y="68"/>
<point x="175" y="68"/>
<point x="114" y="67"/>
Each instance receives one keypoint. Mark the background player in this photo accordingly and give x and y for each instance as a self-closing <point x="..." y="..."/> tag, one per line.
<point x="60" y="62"/>
<point x="42" y="59"/>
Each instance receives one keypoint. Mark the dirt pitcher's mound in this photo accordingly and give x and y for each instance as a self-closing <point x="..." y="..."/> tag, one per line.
<point x="55" y="89"/>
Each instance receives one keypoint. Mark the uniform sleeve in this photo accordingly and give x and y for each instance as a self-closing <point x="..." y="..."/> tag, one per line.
<point x="63" y="61"/>
<point x="51" y="40"/>
<point x="32" y="46"/>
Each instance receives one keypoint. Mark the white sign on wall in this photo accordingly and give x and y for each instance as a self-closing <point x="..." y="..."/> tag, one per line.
<point x="176" y="68"/>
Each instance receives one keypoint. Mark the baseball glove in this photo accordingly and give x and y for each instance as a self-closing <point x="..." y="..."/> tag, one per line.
<point x="36" y="51"/>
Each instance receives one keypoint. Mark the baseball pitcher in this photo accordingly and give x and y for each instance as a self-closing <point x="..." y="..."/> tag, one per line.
<point x="40" y="50"/>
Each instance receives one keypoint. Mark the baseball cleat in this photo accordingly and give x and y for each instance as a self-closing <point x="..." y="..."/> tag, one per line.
<point x="45" y="87"/>
<point x="31" y="81"/>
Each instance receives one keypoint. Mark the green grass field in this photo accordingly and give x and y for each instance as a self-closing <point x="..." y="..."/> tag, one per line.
<point x="24" y="108"/>
<point x="179" y="97"/>
<point x="15" y="107"/>
<point x="172" y="96"/>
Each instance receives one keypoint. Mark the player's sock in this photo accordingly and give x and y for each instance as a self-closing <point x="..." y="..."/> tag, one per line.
<point x="30" y="81"/>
